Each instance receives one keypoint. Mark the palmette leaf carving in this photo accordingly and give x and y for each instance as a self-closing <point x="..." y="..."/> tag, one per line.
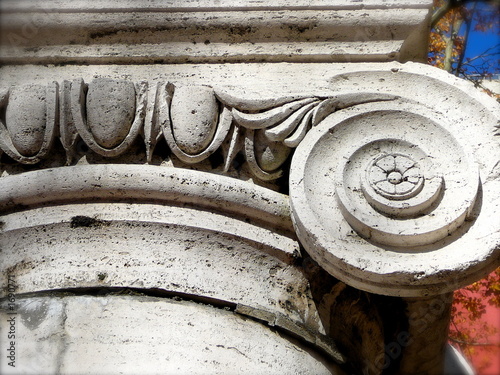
<point x="272" y="131"/>
<point x="271" y="117"/>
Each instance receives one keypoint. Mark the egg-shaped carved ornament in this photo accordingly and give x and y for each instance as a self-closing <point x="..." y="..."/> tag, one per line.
<point x="108" y="113"/>
<point x="194" y="112"/>
<point x="28" y="128"/>
<point x="110" y="108"/>
<point x="194" y="123"/>
<point x="388" y="198"/>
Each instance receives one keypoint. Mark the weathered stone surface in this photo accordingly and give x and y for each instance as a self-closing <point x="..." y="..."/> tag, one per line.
<point x="146" y="184"/>
<point x="206" y="31"/>
<point x="447" y="121"/>
<point x="428" y="238"/>
<point x="194" y="112"/>
<point x="130" y="5"/>
<point x="25" y="118"/>
<point x="29" y="122"/>
<point x="133" y="334"/>
<point x="227" y="259"/>
<point x="110" y="110"/>
<point x="392" y="213"/>
<point x="243" y="252"/>
<point x="269" y="155"/>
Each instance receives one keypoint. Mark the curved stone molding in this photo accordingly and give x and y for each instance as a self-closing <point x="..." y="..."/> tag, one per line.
<point x="388" y="198"/>
<point x="67" y="232"/>
<point x="163" y="242"/>
<point x="30" y="121"/>
<point x="147" y="184"/>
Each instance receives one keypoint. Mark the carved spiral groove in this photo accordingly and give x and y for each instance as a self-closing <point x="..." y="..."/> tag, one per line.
<point x="391" y="191"/>
<point x="394" y="191"/>
<point x="382" y="191"/>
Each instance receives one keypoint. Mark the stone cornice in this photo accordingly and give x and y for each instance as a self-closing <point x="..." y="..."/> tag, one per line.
<point x="126" y="32"/>
<point x="205" y="5"/>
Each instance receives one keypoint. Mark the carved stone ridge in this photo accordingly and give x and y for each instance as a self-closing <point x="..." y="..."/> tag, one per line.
<point x="158" y="31"/>
<point x="107" y="116"/>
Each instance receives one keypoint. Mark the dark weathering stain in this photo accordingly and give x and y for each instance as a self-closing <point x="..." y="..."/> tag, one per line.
<point x="85" y="221"/>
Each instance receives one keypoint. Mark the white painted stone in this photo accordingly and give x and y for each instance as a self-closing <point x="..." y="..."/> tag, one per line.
<point x="420" y="217"/>
<point x="37" y="335"/>
<point x="132" y="334"/>
<point x="69" y="246"/>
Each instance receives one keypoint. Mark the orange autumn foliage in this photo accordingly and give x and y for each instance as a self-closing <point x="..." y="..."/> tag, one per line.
<point x="449" y="39"/>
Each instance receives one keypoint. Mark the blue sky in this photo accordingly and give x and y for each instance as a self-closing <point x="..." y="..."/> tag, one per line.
<point x="481" y="41"/>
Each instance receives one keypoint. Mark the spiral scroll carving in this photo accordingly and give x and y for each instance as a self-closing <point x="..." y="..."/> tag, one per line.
<point x="392" y="192"/>
<point x="384" y="188"/>
<point x="395" y="187"/>
<point x="378" y="188"/>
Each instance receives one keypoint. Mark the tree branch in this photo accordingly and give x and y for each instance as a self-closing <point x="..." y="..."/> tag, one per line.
<point x="456" y="24"/>
<point x="440" y="13"/>
<point x="472" y="343"/>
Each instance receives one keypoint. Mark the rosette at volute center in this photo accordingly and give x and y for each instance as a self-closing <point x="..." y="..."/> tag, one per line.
<point x="392" y="191"/>
<point x="386" y="196"/>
